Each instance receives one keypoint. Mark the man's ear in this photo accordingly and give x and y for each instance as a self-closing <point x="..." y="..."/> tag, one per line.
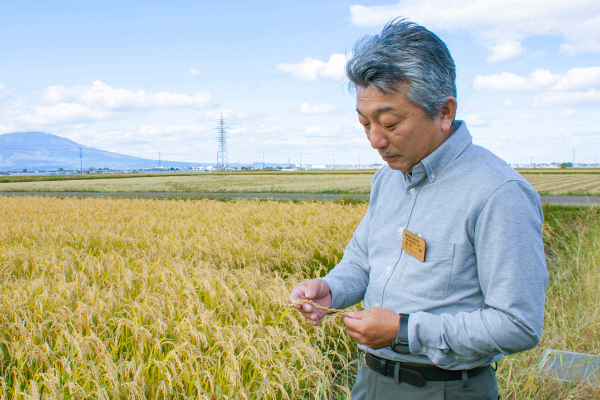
<point x="448" y="113"/>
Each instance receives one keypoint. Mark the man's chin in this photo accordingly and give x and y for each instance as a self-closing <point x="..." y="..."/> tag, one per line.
<point x="397" y="164"/>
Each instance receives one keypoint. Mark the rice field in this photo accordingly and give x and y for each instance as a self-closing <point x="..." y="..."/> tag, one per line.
<point x="351" y="182"/>
<point x="565" y="184"/>
<point x="135" y="299"/>
<point x="232" y="182"/>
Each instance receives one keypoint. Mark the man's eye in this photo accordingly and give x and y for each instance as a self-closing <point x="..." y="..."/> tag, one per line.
<point x="390" y="126"/>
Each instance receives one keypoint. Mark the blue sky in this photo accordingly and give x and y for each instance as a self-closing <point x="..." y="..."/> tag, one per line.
<point x="135" y="77"/>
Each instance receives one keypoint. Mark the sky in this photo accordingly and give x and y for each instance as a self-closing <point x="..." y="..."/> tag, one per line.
<point x="139" y="77"/>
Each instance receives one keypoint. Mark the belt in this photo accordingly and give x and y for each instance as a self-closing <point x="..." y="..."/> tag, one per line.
<point x="416" y="374"/>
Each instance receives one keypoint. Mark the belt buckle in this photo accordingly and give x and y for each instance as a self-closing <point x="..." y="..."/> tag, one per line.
<point x="364" y="357"/>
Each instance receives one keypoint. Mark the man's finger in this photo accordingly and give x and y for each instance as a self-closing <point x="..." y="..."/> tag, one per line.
<point x="351" y="323"/>
<point x="307" y="308"/>
<point x="298" y="292"/>
<point x="359" y="314"/>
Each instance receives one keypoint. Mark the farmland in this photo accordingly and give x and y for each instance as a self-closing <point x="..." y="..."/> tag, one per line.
<point x="566" y="184"/>
<point x="105" y="298"/>
<point x="552" y="182"/>
<point x="315" y="182"/>
<point x="153" y="299"/>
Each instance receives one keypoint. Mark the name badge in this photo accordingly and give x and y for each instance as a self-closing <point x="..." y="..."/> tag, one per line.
<point x="413" y="245"/>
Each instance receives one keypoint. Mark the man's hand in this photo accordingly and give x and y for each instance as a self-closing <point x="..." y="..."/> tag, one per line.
<point x="316" y="290"/>
<point x="373" y="327"/>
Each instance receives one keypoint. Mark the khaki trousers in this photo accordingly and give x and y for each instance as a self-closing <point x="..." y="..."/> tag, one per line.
<point x="371" y="385"/>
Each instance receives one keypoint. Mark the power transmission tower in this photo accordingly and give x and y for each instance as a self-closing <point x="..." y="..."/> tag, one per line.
<point x="222" y="140"/>
<point x="81" y="161"/>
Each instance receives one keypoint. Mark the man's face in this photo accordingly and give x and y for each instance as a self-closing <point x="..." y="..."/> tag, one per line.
<point x="398" y="129"/>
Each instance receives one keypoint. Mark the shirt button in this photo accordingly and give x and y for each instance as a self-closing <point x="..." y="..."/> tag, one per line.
<point x="401" y="230"/>
<point x="424" y="349"/>
<point x="457" y="358"/>
<point x="376" y="304"/>
<point x="412" y="191"/>
<point x="433" y="175"/>
<point x="389" y="268"/>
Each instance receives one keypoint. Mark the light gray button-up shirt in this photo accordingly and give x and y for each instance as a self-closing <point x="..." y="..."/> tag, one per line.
<point x="480" y="292"/>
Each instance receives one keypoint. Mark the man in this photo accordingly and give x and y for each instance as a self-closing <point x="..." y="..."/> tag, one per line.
<point x="449" y="258"/>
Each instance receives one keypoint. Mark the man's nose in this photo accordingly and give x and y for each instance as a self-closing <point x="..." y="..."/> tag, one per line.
<point x="377" y="137"/>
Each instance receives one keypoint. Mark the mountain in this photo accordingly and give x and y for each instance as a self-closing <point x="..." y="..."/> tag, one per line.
<point x="44" y="151"/>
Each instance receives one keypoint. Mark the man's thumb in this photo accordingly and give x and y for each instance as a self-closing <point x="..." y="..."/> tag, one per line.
<point x="312" y="288"/>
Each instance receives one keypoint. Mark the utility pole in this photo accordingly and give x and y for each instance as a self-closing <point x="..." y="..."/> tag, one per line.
<point x="300" y="160"/>
<point x="158" y="158"/>
<point x="81" y="161"/>
<point x="333" y="162"/>
<point x="358" y="162"/>
<point x="263" y="160"/>
<point x="531" y="162"/>
<point x="573" y="156"/>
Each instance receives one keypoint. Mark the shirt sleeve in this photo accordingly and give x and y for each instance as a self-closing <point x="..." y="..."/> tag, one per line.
<point x="349" y="279"/>
<point x="511" y="266"/>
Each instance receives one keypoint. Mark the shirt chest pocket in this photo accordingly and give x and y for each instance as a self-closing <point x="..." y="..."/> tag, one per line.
<point x="428" y="279"/>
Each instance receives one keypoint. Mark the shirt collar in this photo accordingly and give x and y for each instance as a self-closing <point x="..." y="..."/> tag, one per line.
<point x="447" y="152"/>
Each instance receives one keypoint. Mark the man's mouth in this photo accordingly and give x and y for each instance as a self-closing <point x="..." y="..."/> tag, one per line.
<point x="388" y="158"/>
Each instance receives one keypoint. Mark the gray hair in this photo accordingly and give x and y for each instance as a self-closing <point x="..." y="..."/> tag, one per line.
<point x="405" y="53"/>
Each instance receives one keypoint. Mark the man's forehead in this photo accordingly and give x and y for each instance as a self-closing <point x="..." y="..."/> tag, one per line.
<point x="373" y="101"/>
<point x="379" y="111"/>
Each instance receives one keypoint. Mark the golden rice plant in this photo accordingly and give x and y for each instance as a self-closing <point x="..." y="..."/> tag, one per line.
<point x="136" y="299"/>
<point x="119" y="299"/>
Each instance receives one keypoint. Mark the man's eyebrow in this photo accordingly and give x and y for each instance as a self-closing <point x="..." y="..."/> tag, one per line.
<point x="378" y="111"/>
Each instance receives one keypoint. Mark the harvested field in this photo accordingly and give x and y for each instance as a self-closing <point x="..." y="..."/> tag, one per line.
<point x="553" y="183"/>
<point x="571" y="184"/>
<point x="273" y="182"/>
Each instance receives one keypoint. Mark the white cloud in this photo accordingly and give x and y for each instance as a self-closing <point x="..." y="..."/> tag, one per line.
<point x="63" y="112"/>
<point x="573" y="79"/>
<point x="157" y="130"/>
<point x="322" y="131"/>
<point x="567" y="112"/>
<point x="2" y="91"/>
<point x="310" y="69"/>
<point x="474" y="120"/>
<point x="307" y="70"/>
<point x="577" y="98"/>
<point x="509" y="102"/>
<point x="503" y="81"/>
<point x="579" y="79"/>
<point x="306" y="108"/>
<point x="335" y="67"/>
<point x="194" y="72"/>
<point x="504" y="50"/>
<point x="527" y="117"/>
<point x="101" y="95"/>
<point x="227" y="114"/>
<point x="577" y="21"/>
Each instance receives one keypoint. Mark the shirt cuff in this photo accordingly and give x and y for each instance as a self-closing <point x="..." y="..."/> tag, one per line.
<point x="424" y="333"/>
<point x="338" y="297"/>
